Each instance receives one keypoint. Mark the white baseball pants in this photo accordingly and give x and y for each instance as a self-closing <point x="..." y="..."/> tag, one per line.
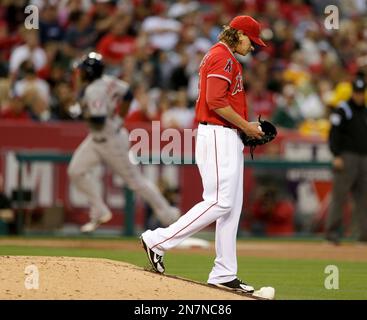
<point x="219" y="155"/>
<point x="114" y="152"/>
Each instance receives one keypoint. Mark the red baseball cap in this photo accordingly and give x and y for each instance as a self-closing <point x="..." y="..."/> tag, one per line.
<point x="249" y="26"/>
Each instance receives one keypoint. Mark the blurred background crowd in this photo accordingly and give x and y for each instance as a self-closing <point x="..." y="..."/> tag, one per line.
<point x="157" y="46"/>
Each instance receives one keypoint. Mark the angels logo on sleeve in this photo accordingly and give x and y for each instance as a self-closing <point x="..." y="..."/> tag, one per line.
<point x="228" y="67"/>
<point x="238" y="86"/>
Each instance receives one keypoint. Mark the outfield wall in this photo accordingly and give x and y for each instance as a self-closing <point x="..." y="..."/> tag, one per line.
<point x="308" y="188"/>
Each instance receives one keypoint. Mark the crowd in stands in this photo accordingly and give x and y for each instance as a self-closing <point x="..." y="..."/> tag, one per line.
<point x="157" y="46"/>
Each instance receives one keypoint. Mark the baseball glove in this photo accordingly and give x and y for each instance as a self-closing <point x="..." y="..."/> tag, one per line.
<point x="270" y="133"/>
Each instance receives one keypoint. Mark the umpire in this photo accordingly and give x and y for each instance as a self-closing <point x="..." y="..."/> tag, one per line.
<point x="348" y="143"/>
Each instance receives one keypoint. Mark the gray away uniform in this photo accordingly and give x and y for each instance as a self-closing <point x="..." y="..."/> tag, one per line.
<point x="110" y="145"/>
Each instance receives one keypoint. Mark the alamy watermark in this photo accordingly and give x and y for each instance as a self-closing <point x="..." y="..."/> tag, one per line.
<point x="147" y="149"/>
<point x="32" y="20"/>
<point x="173" y="146"/>
<point x="332" y="280"/>
<point x="331" y="22"/>
<point x="31" y="277"/>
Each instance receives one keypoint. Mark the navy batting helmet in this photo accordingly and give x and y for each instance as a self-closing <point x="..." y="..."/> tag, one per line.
<point x="91" y="66"/>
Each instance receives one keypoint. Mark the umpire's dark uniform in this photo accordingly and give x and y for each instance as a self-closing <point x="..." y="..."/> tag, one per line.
<point x="348" y="143"/>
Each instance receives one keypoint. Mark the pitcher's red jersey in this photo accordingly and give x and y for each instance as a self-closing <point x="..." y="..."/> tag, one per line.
<point x="221" y="63"/>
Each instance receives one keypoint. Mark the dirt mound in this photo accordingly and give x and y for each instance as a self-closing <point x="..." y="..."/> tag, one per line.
<point x="86" y="278"/>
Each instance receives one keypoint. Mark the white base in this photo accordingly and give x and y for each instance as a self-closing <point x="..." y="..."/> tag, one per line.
<point x="265" y="293"/>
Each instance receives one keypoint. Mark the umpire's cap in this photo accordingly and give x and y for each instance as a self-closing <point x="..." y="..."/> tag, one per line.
<point x="359" y="85"/>
<point x="92" y="66"/>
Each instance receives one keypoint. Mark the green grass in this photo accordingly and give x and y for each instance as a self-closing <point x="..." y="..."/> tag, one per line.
<point x="293" y="279"/>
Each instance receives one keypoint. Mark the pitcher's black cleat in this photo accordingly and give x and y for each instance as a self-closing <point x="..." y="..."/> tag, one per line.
<point x="155" y="259"/>
<point x="236" y="285"/>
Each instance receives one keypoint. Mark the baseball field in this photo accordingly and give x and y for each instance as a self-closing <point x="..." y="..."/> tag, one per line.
<point x="109" y="268"/>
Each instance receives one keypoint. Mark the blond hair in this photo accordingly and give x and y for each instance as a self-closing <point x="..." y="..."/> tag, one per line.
<point x="230" y="36"/>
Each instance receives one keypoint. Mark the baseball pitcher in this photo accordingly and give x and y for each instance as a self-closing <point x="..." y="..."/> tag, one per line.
<point x="221" y="112"/>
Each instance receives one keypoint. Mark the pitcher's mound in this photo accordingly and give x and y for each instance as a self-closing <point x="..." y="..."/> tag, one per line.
<point x="86" y="278"/>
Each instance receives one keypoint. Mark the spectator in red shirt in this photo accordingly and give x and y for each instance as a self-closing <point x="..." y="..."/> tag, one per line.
<point x="117" y="43"/>
<point x="295" y="11"/>
<point x="14" y="109"/>
<point x="7" y="41"/>
<point x="272" y="215"/>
